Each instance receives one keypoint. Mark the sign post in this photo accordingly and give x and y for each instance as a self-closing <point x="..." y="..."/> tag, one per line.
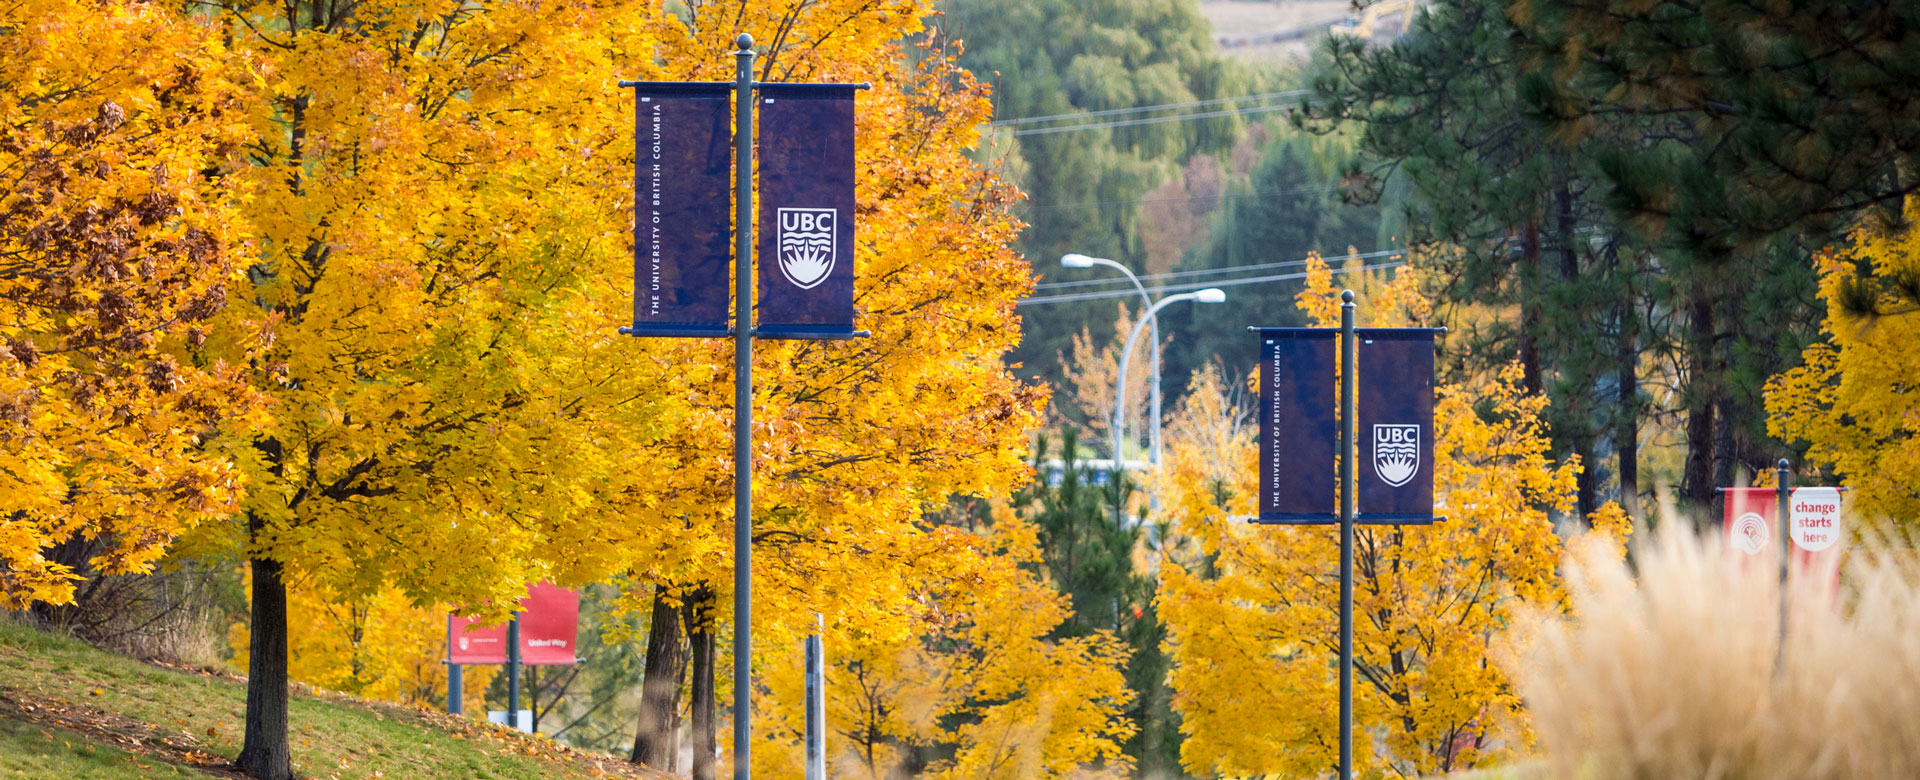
<point x="1782" y="499"/>
<point x="1385" y="389"/>
<point x="1349" y="496"/>
<point x="816" y="703"/>
<point x="455" y="681"/>
<point x="742" y="408"/>
<point x="807" y="170"/>
<point x="513" y="671"/>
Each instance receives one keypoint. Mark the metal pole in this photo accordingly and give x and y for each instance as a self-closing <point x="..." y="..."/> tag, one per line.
<point x="513" y="672"/>
<point x="1782" y="513"/>
<point x="1153" y="395"/>
<point x="1153" y="411"/>
<point x="455" y="681"/>
<point x="816" y="702"/>
<point x="743" y="408"/>
<point x="1120" y="392"/>
<point x="1348" y="487"/>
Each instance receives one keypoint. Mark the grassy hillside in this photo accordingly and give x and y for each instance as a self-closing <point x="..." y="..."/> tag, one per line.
<point x="68" y="710"/>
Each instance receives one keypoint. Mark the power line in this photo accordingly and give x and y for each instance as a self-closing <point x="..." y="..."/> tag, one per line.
<point x="1083" y="115"/>
<point x="1143" y="201"/>
<point x="1148" y="121"/>
<point x="1149" y="279"/>
<point x="1094" y="296"/>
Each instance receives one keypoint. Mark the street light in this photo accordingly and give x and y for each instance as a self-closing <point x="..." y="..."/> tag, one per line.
<point x="1209" y="295"/>
<point x="1153" y="381"/>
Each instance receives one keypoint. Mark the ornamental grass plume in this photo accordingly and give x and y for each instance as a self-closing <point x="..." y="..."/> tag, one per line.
<point x="1674" y="669"/>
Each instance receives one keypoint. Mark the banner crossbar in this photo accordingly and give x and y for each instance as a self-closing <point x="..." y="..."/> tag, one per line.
<point x="729" y="85"/>
<point x="1299" y="332"/>
<point x="1286" y="518"/>
<point x="676" y="330"/>
<point x="671" y="86"/>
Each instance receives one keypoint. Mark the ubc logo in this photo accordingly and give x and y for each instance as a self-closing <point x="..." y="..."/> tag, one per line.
<point x="807" y="250"/>
<point x="1396" y="453"/>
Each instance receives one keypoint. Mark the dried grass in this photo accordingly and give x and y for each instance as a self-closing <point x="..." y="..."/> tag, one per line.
<point x="1675" y="671"/>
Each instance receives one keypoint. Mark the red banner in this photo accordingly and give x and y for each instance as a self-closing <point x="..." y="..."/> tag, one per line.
<point x="1816" y="534"/>
<point x="549" y="625"/>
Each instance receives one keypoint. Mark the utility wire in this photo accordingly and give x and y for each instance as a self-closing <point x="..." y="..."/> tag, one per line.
<point x="1149" y="279"/>
<point x="1148" y="120"/>
<point x="1083" y="115"/>
<point x="1094" y="296"/>
<point x="1143" y="201"/>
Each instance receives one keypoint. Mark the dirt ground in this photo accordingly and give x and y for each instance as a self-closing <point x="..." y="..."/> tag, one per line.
<point x="1248" y="28"/>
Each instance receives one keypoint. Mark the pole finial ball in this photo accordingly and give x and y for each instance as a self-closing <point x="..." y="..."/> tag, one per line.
<point x="1346" y="296"/>
<point x="744" y="42"/>
<point x="1784" y="464"/>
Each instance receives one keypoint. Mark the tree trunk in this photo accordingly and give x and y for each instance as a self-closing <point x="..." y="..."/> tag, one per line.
<point x="1725" y="454"/>
<point x="1696" y="485"/>
<point x="700" y="630"/>
<point x="1626" y="435"/>
<point x="264" y="753"/>
<point x="653" y="743"/>
<point x="1530" y="378"/>
<point x="1586" y="486"/>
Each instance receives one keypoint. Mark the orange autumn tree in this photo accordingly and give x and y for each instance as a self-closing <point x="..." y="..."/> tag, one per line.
<point x="1852" y="400"/>
<point x="443" y="197"/>
<point x="115" y="252"/>
<point x="434" y="190"/>
<point x="1252" y="610"/>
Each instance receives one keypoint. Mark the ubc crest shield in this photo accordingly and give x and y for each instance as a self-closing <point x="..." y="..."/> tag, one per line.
<point x="807" y="245"/>
<point x="1396" y="453"/>
<point x="807" y="211"/>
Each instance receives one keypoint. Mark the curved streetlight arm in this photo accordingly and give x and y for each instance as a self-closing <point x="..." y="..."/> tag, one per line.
<point x="1209" y="295"/>
<point x="1083" y="261"/>
<point x="1077" y="260"/>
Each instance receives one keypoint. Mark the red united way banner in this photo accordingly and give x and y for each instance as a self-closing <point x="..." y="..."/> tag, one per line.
<point x="549" y="626"/>
<point x="1815" y="528"/>
<point x="806" y="205"/>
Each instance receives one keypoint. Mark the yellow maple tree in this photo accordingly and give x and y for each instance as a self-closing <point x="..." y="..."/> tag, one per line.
<point x="115" y="252"/>
<point x="1252" y="613"/>
<point x="433" y="190"/>
<point x="1851" y="400"/>
<point x="441" y="195"/>
<point x="437" y="197"/>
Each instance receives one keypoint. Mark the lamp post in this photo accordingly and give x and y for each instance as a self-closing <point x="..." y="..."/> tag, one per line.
<point x="1153" y="381"/>
<point x="1209" y="295"/>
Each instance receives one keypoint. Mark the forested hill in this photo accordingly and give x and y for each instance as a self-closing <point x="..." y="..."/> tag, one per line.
<point x="1214" y="180"/>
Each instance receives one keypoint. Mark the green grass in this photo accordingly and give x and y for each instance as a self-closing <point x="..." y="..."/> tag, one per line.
<point x="69" y="710"/>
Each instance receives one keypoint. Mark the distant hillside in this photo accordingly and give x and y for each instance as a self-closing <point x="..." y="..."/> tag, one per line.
<point x="1269" y="30"/>
<point x="69" y="710"/>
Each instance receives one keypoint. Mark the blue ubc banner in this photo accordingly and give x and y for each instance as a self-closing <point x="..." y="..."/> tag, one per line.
<point x="806" y="208"/>
<point x="683" y="164"/>
<point x="1298" y="475"/>
<point x="1396" y="424"/>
